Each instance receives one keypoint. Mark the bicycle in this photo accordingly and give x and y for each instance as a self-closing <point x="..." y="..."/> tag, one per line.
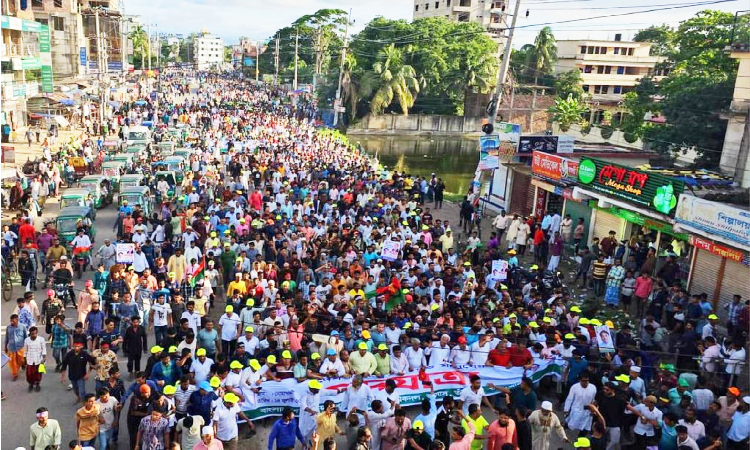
<point x="10" y="274"/>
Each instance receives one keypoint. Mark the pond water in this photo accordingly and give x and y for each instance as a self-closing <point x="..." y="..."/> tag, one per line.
<point x="453" y="159"/>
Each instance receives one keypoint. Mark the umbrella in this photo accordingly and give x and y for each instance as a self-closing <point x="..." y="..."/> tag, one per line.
<point x="140" y="102"/>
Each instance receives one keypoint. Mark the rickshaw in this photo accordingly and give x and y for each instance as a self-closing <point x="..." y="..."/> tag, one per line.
<point x="67" y="220"/>
<point x="77" y="197"/>
<point x="79" y="168"/>
<point x="171" y="179"/>
<point x="139" y="135"/>
<point x="138" y="195"/>
<point x="100" y="187"/>
<point x="138" y="151"/>
<point x="186" y="153"/>
<point x="130" y="180"/>
<point x="113" y="170"/>
<point x="67" y="227"/>
<point x="172" y="163"/>
<point x="126" y="158"/>
<point x="110" y="148"/>
<point x="166" y="148"/>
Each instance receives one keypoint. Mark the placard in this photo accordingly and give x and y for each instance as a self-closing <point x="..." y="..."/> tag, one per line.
<point x="125" y="253"/>
<point x="390" y="250"/>
<point x="500" y="269"/>
<point x="604" y="339"/>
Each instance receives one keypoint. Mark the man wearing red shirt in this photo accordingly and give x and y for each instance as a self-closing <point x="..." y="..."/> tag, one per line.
<point x="499" y="356"/>
<point x="25" y="232"/>
<point x="520" y="355"/>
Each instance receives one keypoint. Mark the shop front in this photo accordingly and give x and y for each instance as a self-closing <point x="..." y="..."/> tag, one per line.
<point x="638" y="206"/>
<point x="720" y="234"/>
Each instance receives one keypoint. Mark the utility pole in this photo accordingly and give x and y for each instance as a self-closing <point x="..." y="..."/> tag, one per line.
<point x="101" y="64"/>
<point x="503" y="72"/>
<point x="337" y="102"/>
<point x="296" y="56"/>
<point x="149" y="46"/>
<point x="276" y="63"/>
<point x="257" y="61"/>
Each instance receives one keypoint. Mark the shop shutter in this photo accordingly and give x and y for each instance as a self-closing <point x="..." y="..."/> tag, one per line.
<point x="576" y="211"/>
<point x="704" y="273"/>
<point x="735" y="281"/>
<point x="606" y="222"/>
<point x="522" y="195"/>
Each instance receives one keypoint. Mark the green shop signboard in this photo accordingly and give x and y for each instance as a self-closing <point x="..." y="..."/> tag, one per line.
<point x="48" y="84"/>
<point x="646" y="222"/>
<point x="650" y="190"/>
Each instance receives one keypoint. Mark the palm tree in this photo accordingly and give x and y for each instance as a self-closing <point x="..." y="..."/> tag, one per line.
<point x="397" y="81"/>
<point x="544" y="53"/>
<point x="567" y="111"/>
<point x="140" y="44"/>
<point x="356" y="84"/>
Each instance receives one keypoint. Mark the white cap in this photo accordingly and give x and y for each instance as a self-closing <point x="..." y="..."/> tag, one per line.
<point x="208" y="429"/>
<point x="679" y="316"/>
<point x="746" y="399"/>
<point x="547" y="406"/>
<point x="635" y="369"/>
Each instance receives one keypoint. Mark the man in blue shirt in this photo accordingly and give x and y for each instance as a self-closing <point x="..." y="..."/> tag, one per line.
<point x="200" y="403"/>
<point x="284" y="432"/>
<point x="739" y="431"/>
<point x="15" y="335"/>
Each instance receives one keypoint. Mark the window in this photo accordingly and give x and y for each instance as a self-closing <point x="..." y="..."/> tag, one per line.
<point x="617" y="89"/>
<point x="617" y="50"/>
<point x="585" y="88"/>
<point x="447" y="2"/>
<point x="583" y="49"/>
<point x="58" y="4"/>
<point x="590" y="50"/>
<point x="605" y="89"/>
<point x="416" y="7"/>
<point x="437" y="5"/>
<point x="426" y="6"/>
<point x="608" y="69"/>
<point x="37" y="4"/>
<point x="620" y="70"/>
<point x="600" y="69"/>
<point x="58" y="23"/>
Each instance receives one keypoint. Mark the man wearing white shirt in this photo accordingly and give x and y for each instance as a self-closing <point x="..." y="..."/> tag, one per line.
<point x="139" y="237"/>
<point x="332" y="366"/>
<point x="399" y="363"/>
<point x="415" y="355"/>
<point x="357" y="395"/>
<point x="140" y="263"/>
<point x="460" y="355"/>
<point x="193" y="317"/>
<point x="193" y="252"/>
<point x="392" y="334"/>
<point x="480" y="350"/>
<point x="473" y="394"/>
<point x="439" y="351"/>
<point x="249" y="340"/>
<point x="200" y="368"/>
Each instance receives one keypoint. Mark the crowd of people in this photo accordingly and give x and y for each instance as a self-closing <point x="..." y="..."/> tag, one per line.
<point x="269" y="265"/>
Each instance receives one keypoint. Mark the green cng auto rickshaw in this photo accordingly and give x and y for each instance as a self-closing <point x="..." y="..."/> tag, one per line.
<point x="100" y="187"/>
<point x="166" y="148"/>
<point x="125" y="158"/>
<point x="113" y="170"/>
<point x="110" y="148"/>
<point x="130" y="180"/>
<point x="174" y="164"/>
<point x="68" y="220"/>
<point x="171" y="179"/>
<point x="138" y="195"/>
<point x="77" y="197"/>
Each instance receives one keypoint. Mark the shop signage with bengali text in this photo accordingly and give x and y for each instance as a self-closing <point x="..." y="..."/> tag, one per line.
<point x="720" y="250"/>
<point x="553" y="167"/>
<point x="727" y="221"/>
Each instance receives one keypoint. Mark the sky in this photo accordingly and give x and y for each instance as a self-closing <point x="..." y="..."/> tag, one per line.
<point x="256" y="19"/>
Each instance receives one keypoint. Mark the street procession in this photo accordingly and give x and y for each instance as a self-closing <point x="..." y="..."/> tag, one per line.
<point x="206" y="263"/>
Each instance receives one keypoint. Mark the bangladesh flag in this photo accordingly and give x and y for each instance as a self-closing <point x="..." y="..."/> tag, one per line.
<point x="199" y="273"/>
<point x="392" y="293"/>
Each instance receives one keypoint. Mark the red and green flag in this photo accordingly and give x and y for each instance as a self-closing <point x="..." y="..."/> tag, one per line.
<point x="392" y="294"/>
<point x="198" y="274"/>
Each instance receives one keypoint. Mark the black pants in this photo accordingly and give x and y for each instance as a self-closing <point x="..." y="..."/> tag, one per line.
<point x="228" y="347"/>
<point x="733" y="445"/>
<point x="134" y="363"/>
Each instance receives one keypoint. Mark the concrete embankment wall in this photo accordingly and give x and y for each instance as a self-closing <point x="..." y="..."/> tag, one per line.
<point x="417" y="124"/>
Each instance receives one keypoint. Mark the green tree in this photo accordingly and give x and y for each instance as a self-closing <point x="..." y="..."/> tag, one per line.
<point x="699" y="86"/>
<point x="662" y="37"/>
<point x="396" y="81"/>
<point x="544" y="54"/>
<point x="356" y="84"/>
<point x="323" y="28"/>
<point x="139" y="37"/>
<point x="567" y="111"/>
<point x="569" y="83"/>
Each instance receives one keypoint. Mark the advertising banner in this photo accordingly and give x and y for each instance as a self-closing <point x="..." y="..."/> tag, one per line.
<point x="716" y="218"/>
<point x="553" y="167"/>
<point x="390" y="250"/>
<point x="274" y="396"/>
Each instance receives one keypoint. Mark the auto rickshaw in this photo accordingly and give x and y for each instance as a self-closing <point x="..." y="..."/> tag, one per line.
<point x="79" y="167"/>
<point x="172" y="163"/>
<point x="138" y="195"/>
<point x="113" y="170"/>
<point x="110" y="148"/>
<point x="67" y="222"/>
<point x="77" y="197"/>
<point x="166" y="148"/>
<point x="171" y="179"/>
<point x="100" y="187"/>
<point x="130" y="180"/>
<point x="126" y="158"/>
<point x="184" y="152"/>
<point x="138" y="151"/>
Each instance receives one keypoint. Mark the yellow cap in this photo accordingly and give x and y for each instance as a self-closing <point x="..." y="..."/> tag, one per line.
<point x="609" y="324"/>
<point x="231" y="398"/>
<point x="383" y="347"/>
<point x="249" y="329"/>
<point x="713" y="317"/>
<point x="229" y="308"/>
<point x="624" y="378"/>
<point x="582" y="442"/>
<point x="546" y="320"/>
<point x="407" y="325"/>
<point x="286" y="354"/>
<point x="250" y="302"/>
<point x="271" y="359"/>
<point x="214" y="382"/>
<point x="254" y="364"/>
<point x="418" y="425"/>
<point x="425" y="227"/>
<point x="157" y="349"/>
<point x="570" y="336"/>
<point x="200" y="352"/>
<point x="595" y="322"/>
<point x="213" y="234"/>
<point x="575" y="309"/>
<point x="315" y="384"/>
<point x="584" y="321"/>
<point x="315" y="356"/>
<point x="533" y="325"/>
<point x="173" y="349"/>
<point x="362" y="346"/>
<point x="236" y="365"/>
<point x="366" y="334"/>
<point x="435" y="307"/>
<point x="169" y="390"/>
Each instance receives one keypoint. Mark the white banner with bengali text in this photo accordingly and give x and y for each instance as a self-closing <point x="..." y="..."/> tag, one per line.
<point x="274" y="396"/>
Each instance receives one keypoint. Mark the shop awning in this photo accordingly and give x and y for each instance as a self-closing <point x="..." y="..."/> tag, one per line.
<point x="605" y="202"/>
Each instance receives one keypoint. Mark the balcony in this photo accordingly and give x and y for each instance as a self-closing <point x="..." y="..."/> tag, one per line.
<point x="14" y="48"/>
<point x="649" y="60"/>
<point x="461" y="9"/>
<point x="611" y="78"/>
<point x="500" y="26"/>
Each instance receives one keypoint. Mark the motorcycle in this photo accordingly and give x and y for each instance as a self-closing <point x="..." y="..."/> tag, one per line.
<point x="81" y="257"/>
<point x="61" y="292"/>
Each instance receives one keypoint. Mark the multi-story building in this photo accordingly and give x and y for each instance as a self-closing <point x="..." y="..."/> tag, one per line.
<point x="488" y="13"/>
<point x="20" y="61"/>
<point x="208" y="51"/>
<point x="609" y="69"/>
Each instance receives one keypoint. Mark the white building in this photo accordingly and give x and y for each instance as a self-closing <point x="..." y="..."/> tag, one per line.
<point x="208" y="51"/>
<point x="490" y="14"/>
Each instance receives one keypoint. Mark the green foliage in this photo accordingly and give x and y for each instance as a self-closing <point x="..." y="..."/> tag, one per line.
<point x="140" y="46"/>
<point x="396" y="81"/>
<point x="567" y="111"/>
<point x="544" y="54"/>
<point x="569" y="83"/>
<point x="699" y="86"/>
<point x="662" y="37"/>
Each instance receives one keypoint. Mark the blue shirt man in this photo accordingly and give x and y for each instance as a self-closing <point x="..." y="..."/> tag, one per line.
<point x="284" y="432"/>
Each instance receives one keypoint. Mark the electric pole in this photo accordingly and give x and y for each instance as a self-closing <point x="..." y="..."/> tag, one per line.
<point x="100" y="63"/>
<point x="276" y="63"/>
<point x="296" y="56"/>
<point x="503" y="72"/>
<point x="149" y="46"/>
<point x="257" y="61"/>
<point x="337" y="102"/>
